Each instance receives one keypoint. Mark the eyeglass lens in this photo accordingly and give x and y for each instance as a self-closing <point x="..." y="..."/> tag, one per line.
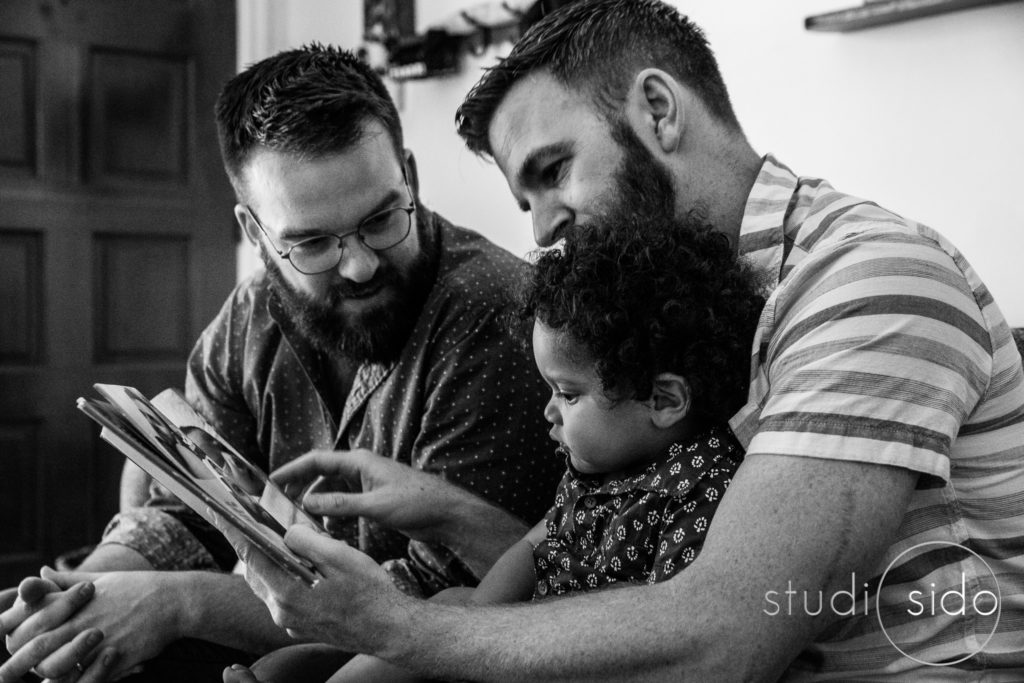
<point x="381" y="231"/>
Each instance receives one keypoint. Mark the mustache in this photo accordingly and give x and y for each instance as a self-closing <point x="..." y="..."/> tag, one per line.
<point x="346" y="289"/>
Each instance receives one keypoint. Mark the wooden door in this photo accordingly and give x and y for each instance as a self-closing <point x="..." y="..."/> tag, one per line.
<point x="117" y="240"/>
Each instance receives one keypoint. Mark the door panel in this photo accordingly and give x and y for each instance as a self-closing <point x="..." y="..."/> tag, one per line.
<point x="117" y="239"/>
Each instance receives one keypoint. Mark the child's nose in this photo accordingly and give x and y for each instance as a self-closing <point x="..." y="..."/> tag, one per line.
<point x="551" y="413"/>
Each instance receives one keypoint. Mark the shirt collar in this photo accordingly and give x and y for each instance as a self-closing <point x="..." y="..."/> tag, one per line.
<point x="674" y="474"/>
<point x="763" y="229"/>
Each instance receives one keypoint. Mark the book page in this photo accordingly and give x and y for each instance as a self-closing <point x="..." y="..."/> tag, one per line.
<point x="232" y="465"/>
<point x="212" y="476"/>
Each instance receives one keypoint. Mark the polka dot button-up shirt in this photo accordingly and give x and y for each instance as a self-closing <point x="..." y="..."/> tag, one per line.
<point x="463" y="401"/>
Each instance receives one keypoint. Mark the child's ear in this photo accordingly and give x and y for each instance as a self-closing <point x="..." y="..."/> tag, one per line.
<point x="670" y="399"/>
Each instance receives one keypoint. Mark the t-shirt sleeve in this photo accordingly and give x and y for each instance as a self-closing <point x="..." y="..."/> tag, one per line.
<point x="879" y="353"/>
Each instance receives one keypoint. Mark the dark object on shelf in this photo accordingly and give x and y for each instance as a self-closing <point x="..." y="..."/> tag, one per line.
<point x="880" y="12"/>
<point x="437" y="50"/>
<point x="433" y="53"/>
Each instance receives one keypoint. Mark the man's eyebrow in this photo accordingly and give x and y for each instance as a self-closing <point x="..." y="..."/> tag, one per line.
<point x="386" y="202"/>
<point x="530" y="170"/>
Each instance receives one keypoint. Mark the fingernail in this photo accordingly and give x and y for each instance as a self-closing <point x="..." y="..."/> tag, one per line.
<point x="86" y="590"/>
<point x="93" y="639"/>
<point x="108" y="658"/>
<point x="237" y="667"/>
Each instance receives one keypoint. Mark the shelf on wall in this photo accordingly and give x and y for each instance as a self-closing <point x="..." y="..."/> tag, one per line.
<point x="880" y="12"/>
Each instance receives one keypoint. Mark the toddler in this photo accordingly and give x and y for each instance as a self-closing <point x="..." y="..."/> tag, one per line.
<point x="643" y="332"/>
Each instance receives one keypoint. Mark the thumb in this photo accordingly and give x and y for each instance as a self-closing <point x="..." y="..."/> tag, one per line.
<point x="323" y="551"/>
<point x="31" y="590"/>
<point x="65" y="580"/>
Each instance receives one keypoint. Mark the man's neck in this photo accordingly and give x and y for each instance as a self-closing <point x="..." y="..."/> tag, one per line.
<point x="719" y="179"/>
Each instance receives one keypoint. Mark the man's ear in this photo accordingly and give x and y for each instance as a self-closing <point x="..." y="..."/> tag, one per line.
<point x="656" y="107"/>
<point x="670" y="400"/>
<point x="412" y="175"/>
<point x="248" y="225"/>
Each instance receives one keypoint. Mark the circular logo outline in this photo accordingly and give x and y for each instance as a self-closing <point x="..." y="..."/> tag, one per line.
<point x="881" y="585"/>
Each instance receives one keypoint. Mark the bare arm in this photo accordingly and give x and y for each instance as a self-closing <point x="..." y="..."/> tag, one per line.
<point x="513" y="576"/>
<point x="134" y="486"/>
<point x="804" y="520"/>
<point x="785" y="519"/>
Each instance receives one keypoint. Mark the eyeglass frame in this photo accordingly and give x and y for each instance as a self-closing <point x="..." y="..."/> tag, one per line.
<point x="286" y="255"/>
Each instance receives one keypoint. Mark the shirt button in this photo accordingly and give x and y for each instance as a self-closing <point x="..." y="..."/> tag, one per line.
<point x="542" y="587"/>
<point x="589" y="502"/>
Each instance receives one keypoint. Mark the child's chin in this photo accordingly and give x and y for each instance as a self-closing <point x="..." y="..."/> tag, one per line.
<point x="581" y="465"/>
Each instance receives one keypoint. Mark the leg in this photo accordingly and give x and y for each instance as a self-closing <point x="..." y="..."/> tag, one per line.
<point x="304" y="662"/>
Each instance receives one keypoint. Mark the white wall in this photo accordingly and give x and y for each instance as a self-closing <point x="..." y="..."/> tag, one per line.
<point x="269" y="26"/>
<point x="923" y="117"/>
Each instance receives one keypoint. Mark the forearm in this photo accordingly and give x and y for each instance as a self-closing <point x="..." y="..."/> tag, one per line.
<point x="477" y="531"/>
<point x="575" y="639"/>
<point x="707" y="623"/>
<point x="221" y="608"/>
<point x="114" y="557"/>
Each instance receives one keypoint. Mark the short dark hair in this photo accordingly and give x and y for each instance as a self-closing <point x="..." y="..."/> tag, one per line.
<point x="639" y="299"/>
<point x="597" y="47"/>
<point x="311" y="101"/>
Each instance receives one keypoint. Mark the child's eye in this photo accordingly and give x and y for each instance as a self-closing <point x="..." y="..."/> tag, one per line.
<point x="567" y="397"/>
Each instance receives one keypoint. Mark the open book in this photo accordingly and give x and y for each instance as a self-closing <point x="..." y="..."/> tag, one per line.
<point x="173" y="444"/>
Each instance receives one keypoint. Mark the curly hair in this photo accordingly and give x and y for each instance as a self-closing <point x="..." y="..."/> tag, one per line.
<point x="596" y="47"/>
<point x="638" y="299"/>
<point x="309" y="101"/>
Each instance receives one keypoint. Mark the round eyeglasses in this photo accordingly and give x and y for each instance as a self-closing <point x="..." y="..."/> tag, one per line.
<point x="382" y="230"/>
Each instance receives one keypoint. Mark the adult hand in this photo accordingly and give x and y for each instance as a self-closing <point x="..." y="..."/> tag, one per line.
<point x="421" y="505"/>
<point x="415" y="503"/>
<point x="41" y="605"/>
<point x="347" y="608"/>
<point x="54" y="633"/>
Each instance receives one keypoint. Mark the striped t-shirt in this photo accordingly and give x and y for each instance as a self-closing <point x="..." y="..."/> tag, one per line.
<point x="880" y="344"/>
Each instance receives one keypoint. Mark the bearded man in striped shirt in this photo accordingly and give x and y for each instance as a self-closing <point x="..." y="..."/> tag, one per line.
<point x="874" y="530"/>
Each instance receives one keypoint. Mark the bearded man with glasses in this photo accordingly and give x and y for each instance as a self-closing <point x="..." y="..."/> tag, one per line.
<point x="375" y="329"/>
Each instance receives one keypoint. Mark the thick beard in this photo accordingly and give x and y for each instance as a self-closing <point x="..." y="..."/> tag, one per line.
<point x="376" y="336"/>
<point x="643" y="186"/>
